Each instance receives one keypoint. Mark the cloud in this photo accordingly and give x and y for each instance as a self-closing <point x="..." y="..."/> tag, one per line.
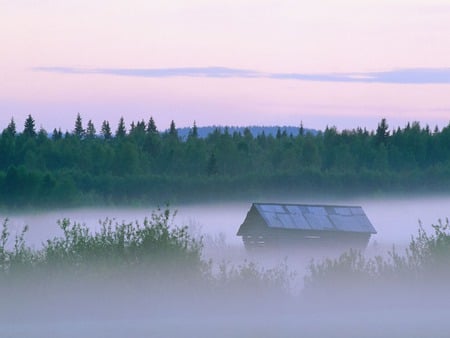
<point x="213" y="72"/>
<point x="399" y="76"/>
<point x="396" y="76"/>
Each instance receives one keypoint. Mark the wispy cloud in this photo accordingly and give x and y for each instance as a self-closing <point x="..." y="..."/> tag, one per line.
<point x="399" y="76"/>
<point x="214" y="72"/>
<point x="396" y="76"/>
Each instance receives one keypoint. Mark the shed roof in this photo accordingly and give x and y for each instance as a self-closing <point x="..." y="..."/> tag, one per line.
<point x="315" y="217"/>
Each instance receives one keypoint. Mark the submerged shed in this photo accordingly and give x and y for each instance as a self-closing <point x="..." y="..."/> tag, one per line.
<point x="300" y="225"/>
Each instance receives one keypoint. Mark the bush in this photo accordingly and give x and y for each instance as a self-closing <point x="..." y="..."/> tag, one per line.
<point x="425" y="263"/>
<point x="153" y="246"/>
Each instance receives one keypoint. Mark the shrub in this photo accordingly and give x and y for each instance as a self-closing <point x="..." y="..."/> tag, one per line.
<point x="425" y="262"/>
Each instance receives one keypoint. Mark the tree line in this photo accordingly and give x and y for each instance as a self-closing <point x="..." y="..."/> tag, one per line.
<point x="140" y="163"/>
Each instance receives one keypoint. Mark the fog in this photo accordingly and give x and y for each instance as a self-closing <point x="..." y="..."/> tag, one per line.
<point x="135" y="304"/>
<point x="395" y="219"/>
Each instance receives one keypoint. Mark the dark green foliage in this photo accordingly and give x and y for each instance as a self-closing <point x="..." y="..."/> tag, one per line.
<point x="145" y="165"/>
<point x="155" y="244"/>
<point x="151" y="128"/>
<point x="173" y="130"/>
<point x="382" y="132"/>
<point x="57" y="134"/>
<point x="29" y="127"/>
<point x="150" y="244"/>
<point x="90" y="130"/>
<point x="193" y="133"/>
<point x="10" y="129"/>
<point x="212" y="168"/>
<point x="106" y="130"/>
<point x="121" y="130"/>
<point x="79" y="131"/>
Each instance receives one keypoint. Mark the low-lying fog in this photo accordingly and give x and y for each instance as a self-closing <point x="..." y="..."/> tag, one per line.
<point x="395" y="219"/>
<point x="129" y="315"/>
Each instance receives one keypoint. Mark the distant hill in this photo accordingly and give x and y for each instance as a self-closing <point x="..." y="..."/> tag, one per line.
<point x="255" y="130"/>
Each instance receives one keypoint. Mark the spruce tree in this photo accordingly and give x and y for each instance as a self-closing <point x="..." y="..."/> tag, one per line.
<point x="382" y="132"/>
<point x="193" y="133"/>
<point x="151" y="129"/>
<point x="301" y="130"/>
<point x="11" y="128"/>
<point x="173" y="130"/>
<point x="79" y="130"/>
<point x="90" y="130"/>
<point x="106" y="130"/>
<point x="57" y="134"/>
<point x="29" y="127"/>
<point x="121" y="130"/>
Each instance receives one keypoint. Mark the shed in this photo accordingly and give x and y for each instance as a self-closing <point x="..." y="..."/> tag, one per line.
<point x="303" y="225"/>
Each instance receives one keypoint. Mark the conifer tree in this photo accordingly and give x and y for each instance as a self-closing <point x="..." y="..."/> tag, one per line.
<point x="11" y="128"/>
<point x="140" y="126"/>
<point x="79" y="130"/>
<point x="121" y="130"/>
<point x="301" y="131"/>
<point x="106" y="130"/>
<point x="173" y="130"/>
<point x="57" y="134"/>
<point x="193" y="133"/>
<point x="29" y="127"/>
<point x="151" y="129"/>
<point x="90" y="130"/>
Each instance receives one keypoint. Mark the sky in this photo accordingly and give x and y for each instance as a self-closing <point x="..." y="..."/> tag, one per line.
<point x="346" y="63"/>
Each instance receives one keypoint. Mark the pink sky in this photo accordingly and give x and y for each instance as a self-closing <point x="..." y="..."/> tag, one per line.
<point x="94" y="40"/>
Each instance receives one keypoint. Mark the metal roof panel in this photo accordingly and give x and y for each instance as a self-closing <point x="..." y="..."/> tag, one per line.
<point x="315" y="217"/>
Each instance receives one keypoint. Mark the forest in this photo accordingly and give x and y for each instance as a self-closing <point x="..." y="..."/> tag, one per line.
<point x="138" y="163"/>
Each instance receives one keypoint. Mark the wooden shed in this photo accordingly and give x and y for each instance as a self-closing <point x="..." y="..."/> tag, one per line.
<point x="300" y="225"/>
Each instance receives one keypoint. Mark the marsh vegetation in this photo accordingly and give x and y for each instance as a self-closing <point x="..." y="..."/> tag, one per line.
<point x="153" y="272"/>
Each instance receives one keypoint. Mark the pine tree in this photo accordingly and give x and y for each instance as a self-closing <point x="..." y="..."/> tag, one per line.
<point x="278" y="136"/>
<point x="140" y="126"/>
<point x="11" y="128"/>
<point x="29" y="127"/>
<point x="90" y="130"/>
<point x="382" y="132"/>
<point x="173" y="130"/>
<point x="151" y="129"/>
<point x="57" y="134"/>
<point x="121" y="130"/>
<point x="301" y="131"/>
<point x="106" y="130"/>
<point x="79" y="130"/>
<point x="193" y="133"/>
